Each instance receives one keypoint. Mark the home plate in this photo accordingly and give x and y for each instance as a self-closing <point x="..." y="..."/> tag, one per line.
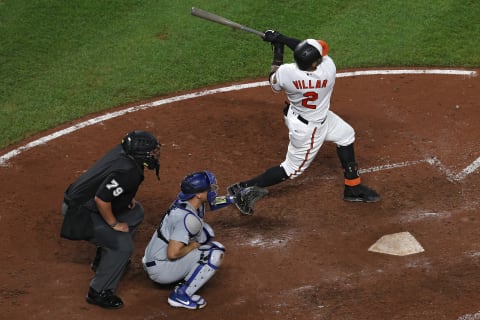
<point x="398" y="244"/>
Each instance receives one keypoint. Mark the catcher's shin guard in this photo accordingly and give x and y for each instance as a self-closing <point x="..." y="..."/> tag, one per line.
<point x="210" y="261"/>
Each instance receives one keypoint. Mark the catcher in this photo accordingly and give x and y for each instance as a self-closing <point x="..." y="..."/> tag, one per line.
<point x="182" y="250"/>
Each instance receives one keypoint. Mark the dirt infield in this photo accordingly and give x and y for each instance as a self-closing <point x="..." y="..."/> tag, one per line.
<point x="304" y="253"/>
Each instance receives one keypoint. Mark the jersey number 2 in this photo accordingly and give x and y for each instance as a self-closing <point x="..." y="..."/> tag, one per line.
<point x="117" y="190"/>
<point x="309" y="97"/>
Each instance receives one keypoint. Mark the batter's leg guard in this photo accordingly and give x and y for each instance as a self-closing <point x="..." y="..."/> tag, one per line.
<point x="346" y="154"/>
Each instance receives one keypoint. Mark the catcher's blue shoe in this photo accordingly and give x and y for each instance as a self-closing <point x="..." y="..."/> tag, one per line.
<point x="180" y="299"/>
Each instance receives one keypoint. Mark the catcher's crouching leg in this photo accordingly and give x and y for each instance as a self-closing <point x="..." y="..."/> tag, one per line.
<point x="245" y="198"/>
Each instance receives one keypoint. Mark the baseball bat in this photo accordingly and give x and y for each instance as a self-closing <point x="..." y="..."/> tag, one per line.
<point x="221" y="20"/>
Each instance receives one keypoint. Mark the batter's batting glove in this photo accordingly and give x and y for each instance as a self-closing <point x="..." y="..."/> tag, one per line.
<point x="275" y="36"/>
<point x="271" y="36"/>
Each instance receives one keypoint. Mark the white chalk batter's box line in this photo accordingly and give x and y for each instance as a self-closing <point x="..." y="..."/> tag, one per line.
<point x="433" y="161"/>
<point x="451" y="176"/>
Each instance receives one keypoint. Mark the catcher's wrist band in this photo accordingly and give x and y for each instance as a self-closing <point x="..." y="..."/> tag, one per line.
<point x="114" y="224"/>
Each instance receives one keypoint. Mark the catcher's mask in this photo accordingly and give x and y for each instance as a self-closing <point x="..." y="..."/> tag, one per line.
<point x="198" y="182"/>
<point x="307" y="52"/>
<point x="144" y="148"/>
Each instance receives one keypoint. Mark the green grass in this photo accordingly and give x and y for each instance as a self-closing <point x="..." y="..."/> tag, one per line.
<point x="61" y="60"/>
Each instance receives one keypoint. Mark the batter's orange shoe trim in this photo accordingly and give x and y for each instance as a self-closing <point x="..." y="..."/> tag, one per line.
<point x="352" y="182"/>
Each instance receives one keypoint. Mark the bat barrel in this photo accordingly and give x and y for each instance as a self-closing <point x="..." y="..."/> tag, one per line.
<point x="221" y="20"/>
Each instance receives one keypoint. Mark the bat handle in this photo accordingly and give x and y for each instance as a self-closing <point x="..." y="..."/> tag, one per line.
<point x="258" y="33"/>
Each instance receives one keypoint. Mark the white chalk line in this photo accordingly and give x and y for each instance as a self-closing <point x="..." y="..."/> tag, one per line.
<point x="434" y="162"/>
<point x="396" y="72"/>
<point x="450" y="175"/>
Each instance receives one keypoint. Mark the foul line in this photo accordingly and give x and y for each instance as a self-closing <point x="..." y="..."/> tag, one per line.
<point x="451" y="176"/>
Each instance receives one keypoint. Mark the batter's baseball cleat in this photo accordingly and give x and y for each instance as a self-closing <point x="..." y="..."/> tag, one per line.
<point x="360" y="193"/>
<point x="178" y="298"/>
<point x="105" y="299"/>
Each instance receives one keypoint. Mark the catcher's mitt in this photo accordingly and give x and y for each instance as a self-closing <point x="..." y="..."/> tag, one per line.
<point x="245" y="198"/>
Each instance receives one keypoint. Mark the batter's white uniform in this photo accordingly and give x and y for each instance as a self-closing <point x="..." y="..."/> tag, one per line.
<point x="309" y="119"/>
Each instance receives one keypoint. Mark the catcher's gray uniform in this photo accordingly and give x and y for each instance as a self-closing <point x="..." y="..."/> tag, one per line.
<point x="182" y="248"/>
<point x="184" y="224"/>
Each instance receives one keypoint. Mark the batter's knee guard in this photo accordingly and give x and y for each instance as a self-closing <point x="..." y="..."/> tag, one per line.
<point x="209" y="263"/>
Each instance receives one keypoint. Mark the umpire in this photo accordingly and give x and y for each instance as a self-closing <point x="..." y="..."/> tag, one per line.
<point x="100" y="207"/>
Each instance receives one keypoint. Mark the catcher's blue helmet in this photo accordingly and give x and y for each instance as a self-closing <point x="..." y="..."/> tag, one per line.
<point x="198" y="182"/>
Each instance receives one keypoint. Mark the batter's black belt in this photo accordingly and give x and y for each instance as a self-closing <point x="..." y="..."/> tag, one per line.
<point x="299" y="117"/>
<point x="302" y="119"/>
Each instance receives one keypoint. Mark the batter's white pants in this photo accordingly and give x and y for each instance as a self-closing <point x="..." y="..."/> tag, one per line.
<point x="306" y="140"/>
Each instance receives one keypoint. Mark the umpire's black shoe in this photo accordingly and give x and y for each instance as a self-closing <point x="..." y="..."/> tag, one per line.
<point x="105" y="299"/>
<point x="360" y="193"/>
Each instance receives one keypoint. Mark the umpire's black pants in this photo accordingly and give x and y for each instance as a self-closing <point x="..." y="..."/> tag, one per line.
<point x="117" y="247"/>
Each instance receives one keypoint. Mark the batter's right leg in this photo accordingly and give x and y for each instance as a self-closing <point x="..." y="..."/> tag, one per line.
<point x="354" y="191"/>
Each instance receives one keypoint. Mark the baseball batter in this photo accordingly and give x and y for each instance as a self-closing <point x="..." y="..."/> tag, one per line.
<point x="183" y="247"/>
<point x="308" y="84"/>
